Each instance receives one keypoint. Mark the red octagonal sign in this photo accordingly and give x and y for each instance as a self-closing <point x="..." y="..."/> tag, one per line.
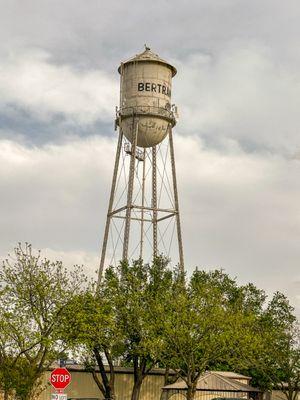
<point x="60" y="378"/>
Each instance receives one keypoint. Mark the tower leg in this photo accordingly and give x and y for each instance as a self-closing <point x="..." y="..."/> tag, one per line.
<point x="130" y="191"/>
<point x="143" y="204"/>
<point x="154" y="201"/>
<point x="110" y="206"/>
<point x="179" y="236"/>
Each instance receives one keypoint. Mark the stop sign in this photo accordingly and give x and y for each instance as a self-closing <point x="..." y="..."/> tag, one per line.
<point x="60" y="378"/>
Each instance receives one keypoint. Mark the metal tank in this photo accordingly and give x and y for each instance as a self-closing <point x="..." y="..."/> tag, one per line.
<point x="145" y="98"/>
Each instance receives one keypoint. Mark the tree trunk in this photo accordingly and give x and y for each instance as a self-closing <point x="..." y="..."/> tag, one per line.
<point x="139" y="373"/>
<point x="5" y="395"/>
<point x="136" y="389"/>
<point x="108" y="388"/>
<point x="111" y="372"/>
<point x="98" y="383"/>
<point x="290" y="393"/>
<point x="190" y="394"/>
<point x="295" y="394"/>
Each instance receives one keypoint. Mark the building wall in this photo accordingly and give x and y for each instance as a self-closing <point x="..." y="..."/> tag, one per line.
<point x="213" y="395"/>
<point x="83" y="385"/>
<point x="203" y="395"/>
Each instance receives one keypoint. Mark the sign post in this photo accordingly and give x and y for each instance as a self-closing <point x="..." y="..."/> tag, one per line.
<point x="60" y="378"/>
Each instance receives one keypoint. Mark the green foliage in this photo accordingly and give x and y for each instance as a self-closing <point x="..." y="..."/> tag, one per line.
<point x="200" y="326"/>
<point x="139" y="291"/>
<point x="19" y="377"/>
<point x="34" y="296"/>
<point x="121" y="320"/>
<point x="141" y="315"/>
<point x="90" y="326"/>
<point x="213" y="323"/>
<point x="277" y="364"/>
<point x="146" y="315"/>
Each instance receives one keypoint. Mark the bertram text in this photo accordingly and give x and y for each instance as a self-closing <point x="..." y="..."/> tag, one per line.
<point x="154" y="87"/>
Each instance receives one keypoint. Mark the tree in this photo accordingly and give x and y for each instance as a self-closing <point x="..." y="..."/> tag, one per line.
<point x="288" y="362"/>
<point x="119" y="321"/>
<point x="277" y="364"/>
<point x="138" y="292"/>
<point x="209" y="323"/>
<point x="34" y="295"/>
<point x="90" y="325"/>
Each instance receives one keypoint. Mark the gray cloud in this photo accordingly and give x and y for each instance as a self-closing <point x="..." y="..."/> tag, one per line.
<point x="105" y="32"/>
<point x="31" y="81"/>
<point x="238" y="93"/>
<point x="239" y="210"/>
<point x="241" y="95"/>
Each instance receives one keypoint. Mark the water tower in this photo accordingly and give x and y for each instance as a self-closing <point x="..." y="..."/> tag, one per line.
<point x="143" y="218"/>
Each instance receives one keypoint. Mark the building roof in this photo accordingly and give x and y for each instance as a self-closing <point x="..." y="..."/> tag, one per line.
<point x="232" y="375"/>
<point x="118" y="370"/>
<point x="71" y="366"/>
<point x="148" y="56"/>
<point x="214" y="381"/>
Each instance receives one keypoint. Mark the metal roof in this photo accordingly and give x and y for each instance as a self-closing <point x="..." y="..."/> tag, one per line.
<point x="213" y="381"/>
<point x="117" y="369"/>
<point x="148" y="56"/>
<point x="233" y="375"/>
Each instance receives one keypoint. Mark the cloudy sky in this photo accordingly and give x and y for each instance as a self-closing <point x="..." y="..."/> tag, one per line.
<point x="238" y="93"/>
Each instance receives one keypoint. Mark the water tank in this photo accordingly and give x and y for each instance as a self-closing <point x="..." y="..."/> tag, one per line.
<point x="145" y="98"/>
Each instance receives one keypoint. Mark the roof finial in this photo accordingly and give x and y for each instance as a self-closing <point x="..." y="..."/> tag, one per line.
<point x="146" y="47"/>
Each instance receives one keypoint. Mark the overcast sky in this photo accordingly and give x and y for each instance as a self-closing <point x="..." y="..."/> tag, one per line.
<point x="238" y="94"/>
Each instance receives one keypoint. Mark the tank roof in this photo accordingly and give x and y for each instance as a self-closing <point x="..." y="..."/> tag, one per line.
<point x="146" y="56"/>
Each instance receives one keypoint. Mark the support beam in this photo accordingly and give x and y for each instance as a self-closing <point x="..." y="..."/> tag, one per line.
<point x="143" y="204"/>
<point x="167" y="210"/>
<point x="133" y="218"/>
<point x="117" y="211"/>
<point x="178" y="225"/>
<point x="110" y="206"/>
<point x="154" y="201"/>
<point x="166" y="217"/>
<point x="130" y="190"/>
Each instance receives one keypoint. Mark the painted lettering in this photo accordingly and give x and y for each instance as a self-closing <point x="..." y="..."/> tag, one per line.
<point x="59" y="378"/>
<point x="154" y="87"/>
